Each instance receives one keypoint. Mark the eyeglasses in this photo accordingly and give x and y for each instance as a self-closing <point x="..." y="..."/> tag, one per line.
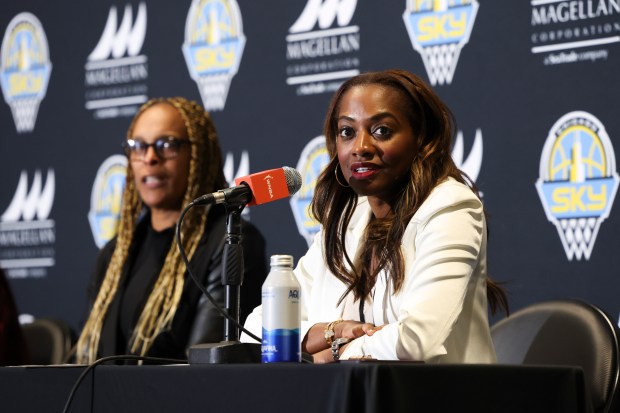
<point x="166" y="147"/>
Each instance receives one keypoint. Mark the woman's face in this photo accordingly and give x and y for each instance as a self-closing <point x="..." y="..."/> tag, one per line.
<point x="375" y="141"/>
<point x="161" y="182"/>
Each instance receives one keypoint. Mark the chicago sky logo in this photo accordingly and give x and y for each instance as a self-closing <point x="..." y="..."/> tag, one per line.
<point x="314" y="158"/>
<point x="106" y="197"/>
<point x="213" y="46"/>
<point x="570" y="31"/>
<point x="312" y="161"/>
<point x="578" y="180"/>
<point x="438" y="30"/>
<point x="27" y="236"/>
<point x="322" y="58"/>
<point x="115" y="71"/>
<point x="25" y="69"/>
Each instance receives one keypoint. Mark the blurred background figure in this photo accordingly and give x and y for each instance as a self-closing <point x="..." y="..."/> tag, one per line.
<point x="13" y="349"/>
<point x="142" y="299"/>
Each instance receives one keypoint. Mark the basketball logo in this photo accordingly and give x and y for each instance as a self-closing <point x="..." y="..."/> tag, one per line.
<point x="25" y="69"/>
<point x="213" y="46"/>
<point x="106" y="198"/>
<point x="313" y="159"/>
<point x="577" y="180"/>
<point x="438" y="30"/>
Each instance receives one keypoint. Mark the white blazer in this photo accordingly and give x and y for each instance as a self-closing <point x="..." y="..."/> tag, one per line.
<point x="440" y="313"/>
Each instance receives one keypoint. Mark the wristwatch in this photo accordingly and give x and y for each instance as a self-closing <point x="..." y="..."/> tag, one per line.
<point x="336" y="344"/>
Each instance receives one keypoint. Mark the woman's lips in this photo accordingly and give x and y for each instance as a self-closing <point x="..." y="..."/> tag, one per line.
<point x="364" y="171"/>
<point x="151" y="181"/>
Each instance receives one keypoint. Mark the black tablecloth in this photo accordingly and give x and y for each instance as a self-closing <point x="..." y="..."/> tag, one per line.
<point x="344" y="387"/>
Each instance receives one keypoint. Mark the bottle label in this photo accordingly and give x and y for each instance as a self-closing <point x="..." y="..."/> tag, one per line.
<point x="281" y="308"/>
<point x="281" y="345"/>
<point x="281" y="299"/>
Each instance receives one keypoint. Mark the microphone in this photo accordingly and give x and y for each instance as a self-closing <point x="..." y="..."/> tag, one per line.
<point x="256" y="189"/>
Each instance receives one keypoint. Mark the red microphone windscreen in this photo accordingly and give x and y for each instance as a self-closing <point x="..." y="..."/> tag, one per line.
<point x="266" y="186"/>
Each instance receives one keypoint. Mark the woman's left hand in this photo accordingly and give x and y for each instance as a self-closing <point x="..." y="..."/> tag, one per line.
<point x="351" y="329"/>
<point x="325" y="356"/>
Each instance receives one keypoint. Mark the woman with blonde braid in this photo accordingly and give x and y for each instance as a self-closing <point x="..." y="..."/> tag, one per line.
<point x="143" y="302"/>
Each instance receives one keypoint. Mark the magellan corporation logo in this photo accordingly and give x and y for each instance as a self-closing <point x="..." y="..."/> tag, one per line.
<point x="213" y="46"/>
<point x="578" y="180"/>
<point x="314" y="158"/>
<point x="320" y="59"/>
<point x="438" y="30"/>
<point x="472" y="164"/>
<point x="106" y="197"/>
<point x="570" y="31"/>
<point x="27" y="236"/>
<point x="115" y="71"/>
<point x="243" y="169"/>
<point x="25" y="69"/>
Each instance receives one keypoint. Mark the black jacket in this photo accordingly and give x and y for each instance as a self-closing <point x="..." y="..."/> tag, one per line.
<point x="196" y="319"/>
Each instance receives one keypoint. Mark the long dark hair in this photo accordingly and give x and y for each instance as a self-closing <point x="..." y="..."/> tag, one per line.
<point x="433" y="127"/>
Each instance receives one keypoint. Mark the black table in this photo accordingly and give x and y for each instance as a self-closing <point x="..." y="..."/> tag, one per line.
<point x="344" y="387"/>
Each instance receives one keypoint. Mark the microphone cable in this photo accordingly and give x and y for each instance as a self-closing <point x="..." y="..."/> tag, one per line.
<point x="197" y="282"/>
<point x="102" y="360"/>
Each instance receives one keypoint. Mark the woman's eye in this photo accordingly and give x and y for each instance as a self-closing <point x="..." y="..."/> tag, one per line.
<point x="139" y="145"/>
<point x="382" y="131"/>
<point x="346" y="132"/>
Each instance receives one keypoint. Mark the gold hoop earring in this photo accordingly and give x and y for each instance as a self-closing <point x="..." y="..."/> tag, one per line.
<point x="338" y="180"/>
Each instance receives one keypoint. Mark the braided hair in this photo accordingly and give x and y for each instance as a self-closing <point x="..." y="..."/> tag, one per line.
<point x="205" y="175"/>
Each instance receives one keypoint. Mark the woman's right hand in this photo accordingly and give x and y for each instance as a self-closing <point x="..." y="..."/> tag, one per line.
<point x="314" y="341"/>
<point x="352" y="329"/>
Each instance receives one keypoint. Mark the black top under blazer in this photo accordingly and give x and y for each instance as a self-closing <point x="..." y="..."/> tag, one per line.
<point x="196" y="319"/>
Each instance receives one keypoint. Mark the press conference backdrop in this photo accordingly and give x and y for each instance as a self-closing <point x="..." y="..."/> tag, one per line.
<point x="533" y="85"/>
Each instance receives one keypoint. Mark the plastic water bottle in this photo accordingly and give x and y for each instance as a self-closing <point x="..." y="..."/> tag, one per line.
<point x="281" y="297"/>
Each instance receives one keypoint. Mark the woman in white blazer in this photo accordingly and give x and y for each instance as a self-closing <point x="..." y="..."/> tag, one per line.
<point x="398" y="271"/>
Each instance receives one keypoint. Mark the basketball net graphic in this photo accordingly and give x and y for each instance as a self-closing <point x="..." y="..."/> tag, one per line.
<point x="214" y="90"/>
<point x="579" y="235"/>
<point x="24" y="113"/>
<point x="440" y="62"/>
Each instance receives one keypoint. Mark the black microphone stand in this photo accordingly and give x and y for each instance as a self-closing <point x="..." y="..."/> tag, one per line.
<point x="231" y="350"/>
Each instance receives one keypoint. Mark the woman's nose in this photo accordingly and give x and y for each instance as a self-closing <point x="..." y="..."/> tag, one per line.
<point x="362" y="145"/>
<point x="150" y="156"/>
